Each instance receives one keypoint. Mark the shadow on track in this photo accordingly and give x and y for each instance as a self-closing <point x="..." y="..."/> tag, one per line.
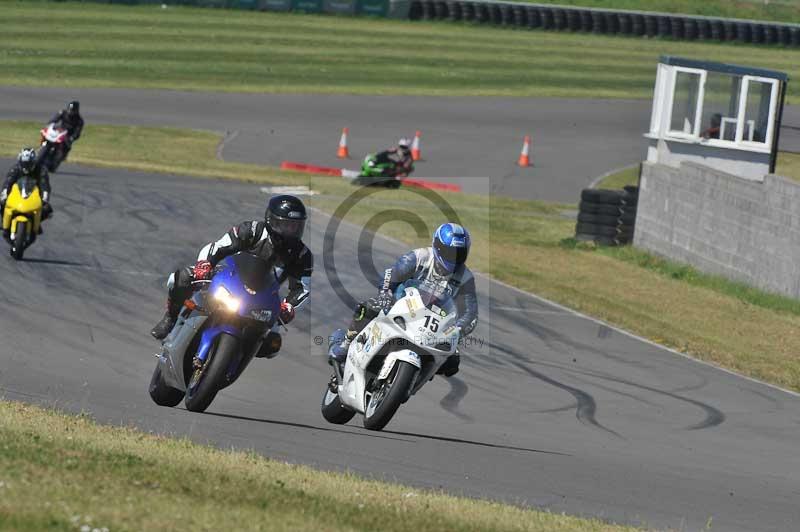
<point x="304" y="426"/>
<point x="56" y="262"/>
<point x="476" y="443"/>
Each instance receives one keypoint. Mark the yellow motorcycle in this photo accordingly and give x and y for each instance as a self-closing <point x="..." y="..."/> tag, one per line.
<point x="22" y="215"/>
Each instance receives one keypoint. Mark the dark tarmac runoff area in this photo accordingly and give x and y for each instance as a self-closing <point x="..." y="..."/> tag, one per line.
<point x="551" y="409"/>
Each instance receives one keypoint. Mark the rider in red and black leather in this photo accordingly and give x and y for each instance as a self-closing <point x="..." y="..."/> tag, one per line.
<point x="276" y="239"/>
<point x="70" y="118"/>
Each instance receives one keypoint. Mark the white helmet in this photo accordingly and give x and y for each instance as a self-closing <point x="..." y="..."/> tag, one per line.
<point x="26" y="159"/>
<point x="403" y="143"/>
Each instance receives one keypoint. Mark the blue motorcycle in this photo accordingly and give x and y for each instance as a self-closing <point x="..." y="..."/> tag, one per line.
<point x="227" y="322"/>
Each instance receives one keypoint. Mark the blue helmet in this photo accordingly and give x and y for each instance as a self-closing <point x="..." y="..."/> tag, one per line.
<point x="450" y="247"/>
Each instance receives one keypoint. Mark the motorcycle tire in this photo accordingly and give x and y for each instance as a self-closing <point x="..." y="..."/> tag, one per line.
<point x="598" y="208"/>
<point x="160" y="393"/>
<point x="333" y="410"/>
<point x="399" y="382"/>
<point x="214" y="376"/>
<point x="602" y="196"/>
<point x="20" y="239"/>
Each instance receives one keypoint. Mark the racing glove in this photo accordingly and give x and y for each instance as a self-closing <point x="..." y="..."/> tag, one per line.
<point x="202" y="270"/>
<point x="45" y="197"/>
<point x="3" y="196"/>
<point x="384" y="301"/>
<point x="287" y="312"/>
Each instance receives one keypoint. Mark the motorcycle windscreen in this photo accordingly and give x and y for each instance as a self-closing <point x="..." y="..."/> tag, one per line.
<point x="435" y="296"/>
<point x="253" y="271"/>
<point x="26" y="186"/>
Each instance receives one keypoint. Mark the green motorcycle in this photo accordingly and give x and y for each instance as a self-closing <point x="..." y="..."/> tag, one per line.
<point x="379" y="170"/>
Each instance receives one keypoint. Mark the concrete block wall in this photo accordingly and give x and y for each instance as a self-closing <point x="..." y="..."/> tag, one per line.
<point x="723" y="224"/>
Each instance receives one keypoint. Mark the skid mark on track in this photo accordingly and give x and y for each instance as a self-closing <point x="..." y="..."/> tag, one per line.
<point x="714" y="416"/>
<point x="587" y="407"/>
<point x="450" y="402"/>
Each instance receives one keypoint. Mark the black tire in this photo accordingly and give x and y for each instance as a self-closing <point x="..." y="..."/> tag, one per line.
<point x="597" y="230"/>
<point x="628" y="218"/>
<point x="598" y="208"/>
<point x="214" y="376"/>
<point x="333" y="410"/>
<point x="598" y="219"/>
<point x="399" y="383"/>
<point x="160" y="393"/>
<point x="20" y="238"/>
<point x="600" y="195"/>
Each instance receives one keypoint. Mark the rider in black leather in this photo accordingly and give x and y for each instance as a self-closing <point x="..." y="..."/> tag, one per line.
<point x="26" y="166"/>
<point x="276" y="239"/>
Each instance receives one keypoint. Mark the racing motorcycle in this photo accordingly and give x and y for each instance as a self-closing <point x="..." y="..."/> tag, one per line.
<point x="230" y="320"/>
<point x="379" y="170"/>
<point x="52" y="146"/>
<point x="393" y="357"/>
<point x="22" y="215"/>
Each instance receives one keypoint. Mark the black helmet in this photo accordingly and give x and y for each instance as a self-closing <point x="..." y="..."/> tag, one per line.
<point x="286" y="217"/>
<point x="73" y="107"/>
<point x="26" y="160"/>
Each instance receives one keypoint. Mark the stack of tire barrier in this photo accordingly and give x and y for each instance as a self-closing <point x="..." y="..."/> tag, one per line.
<point x="611" y="22"/>
<point x="607" y="217"/>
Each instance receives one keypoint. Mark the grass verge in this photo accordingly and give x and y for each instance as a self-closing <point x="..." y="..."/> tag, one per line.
<point x="64" y="472"/>
<point x="788" y="166"/>
<point x="710" y="318"/>
<point x="208" y="49"/>
<point x="620" y="178"/>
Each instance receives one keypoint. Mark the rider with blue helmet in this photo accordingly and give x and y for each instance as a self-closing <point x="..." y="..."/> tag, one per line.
<point x="443" y="262"/>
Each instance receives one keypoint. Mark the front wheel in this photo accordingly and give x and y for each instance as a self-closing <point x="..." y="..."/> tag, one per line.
<point x="384" y="400"/>
<point x="207" y="380"/>
<point x="20" y="240"/>
<point x="332" y="408"/>
<point x="160" y="393"/>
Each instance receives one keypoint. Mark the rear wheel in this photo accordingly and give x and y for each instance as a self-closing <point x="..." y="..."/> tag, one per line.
<point x="20" y="239"/>
<point x="386" y="397"/>
<point x="332" y="408"/>
<point x="162" y="394"/>
<point x="212" y="376"/>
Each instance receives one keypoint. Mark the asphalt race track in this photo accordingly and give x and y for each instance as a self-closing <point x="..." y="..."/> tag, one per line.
<point x="554" y="410"/>
<point x="461" y="137"/>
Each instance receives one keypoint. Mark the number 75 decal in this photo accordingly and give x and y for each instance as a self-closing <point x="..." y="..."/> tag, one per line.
<point x="431" y="323"/>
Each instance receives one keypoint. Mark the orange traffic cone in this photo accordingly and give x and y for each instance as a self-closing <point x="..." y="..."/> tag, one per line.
<point x="524" y="156"/>
<point x="342" y="152"/>
<point x="415" y="154"/>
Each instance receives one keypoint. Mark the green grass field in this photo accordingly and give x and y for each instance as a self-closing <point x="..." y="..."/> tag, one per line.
<point x="210" y="49"/>
<point x="66" y="473"/>
<point x="669" y="303"/>
<point x="775" y="10"/>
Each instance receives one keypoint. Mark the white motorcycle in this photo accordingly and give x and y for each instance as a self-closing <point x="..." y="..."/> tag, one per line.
<point x="393" y="357"/>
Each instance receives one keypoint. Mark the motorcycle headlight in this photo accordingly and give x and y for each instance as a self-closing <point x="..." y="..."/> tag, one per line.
<point x="224" y="297"/>
<point x="371" y="163"/>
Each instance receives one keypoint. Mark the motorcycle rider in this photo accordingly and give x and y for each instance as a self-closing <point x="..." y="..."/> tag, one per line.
<point x="276" y="239"/>
<point x="70" y="118"/>
<point x="26" y="166"/>
<point x="400" y="157"/>
<point x="444" y="262"/>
